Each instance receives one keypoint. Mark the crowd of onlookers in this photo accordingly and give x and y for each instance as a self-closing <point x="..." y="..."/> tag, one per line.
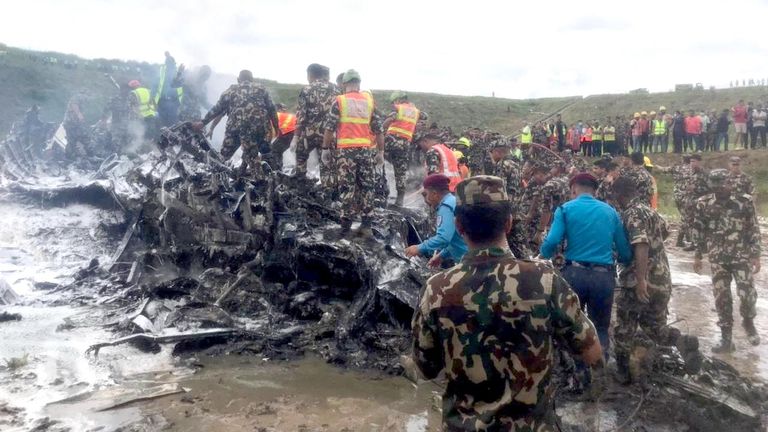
<point x="658" y="132"/>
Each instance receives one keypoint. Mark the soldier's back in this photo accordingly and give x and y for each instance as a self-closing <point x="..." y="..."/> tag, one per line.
<point x="498" y="313"/>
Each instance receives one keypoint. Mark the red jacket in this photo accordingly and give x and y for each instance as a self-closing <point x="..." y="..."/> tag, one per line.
<point x="693" y="125"/>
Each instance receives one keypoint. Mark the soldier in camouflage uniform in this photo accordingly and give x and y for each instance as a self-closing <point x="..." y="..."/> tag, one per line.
<point x="397" y="144"/>
<point x="645" y="285"/>
<point x="490" y="322"/>
<point x="680" y="174"/>
<point x="315" y="102"/>
<point x="355" y="166"/>
<point x="531" y="205"/>
<point x="726" y="225"/>
<point x="697" y="185"/>
<point x="78" y="138"/>
<point x="251" y="118"/>
<point x="640" y="176"/>
<point x="194" y="92"/>
<point x="740" y="183"/>
<point x="506" y="168"/>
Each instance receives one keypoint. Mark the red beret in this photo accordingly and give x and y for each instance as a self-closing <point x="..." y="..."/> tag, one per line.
<point x="436" y="181"/>
<point x="585" y="179"/>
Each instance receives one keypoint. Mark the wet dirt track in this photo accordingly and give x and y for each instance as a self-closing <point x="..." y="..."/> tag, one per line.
<point x="41" y="249"/>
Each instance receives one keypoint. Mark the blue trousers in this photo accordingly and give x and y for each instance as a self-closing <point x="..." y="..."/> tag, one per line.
<point x="595" y="290"/>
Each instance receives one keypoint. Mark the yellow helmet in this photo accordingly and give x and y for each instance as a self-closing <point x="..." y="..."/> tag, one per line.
<point x="465" y="142"/>
<point x="653" y="112"/>
<point x="458" y="154"/>
<point x="647" y="162"/>
<point x="644" y="113"/>
<point x="662" y="108"/>
<point x="637" y="114"/>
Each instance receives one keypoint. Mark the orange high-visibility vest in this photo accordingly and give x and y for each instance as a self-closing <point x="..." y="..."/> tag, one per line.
<point x="405" y="121"/>
<point x="449" y="166"/>
<point x="287" y="122"/>
<point x="355" y="112"/>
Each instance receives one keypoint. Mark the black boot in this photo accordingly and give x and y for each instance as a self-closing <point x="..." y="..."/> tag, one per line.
<point x="726" y="343"/>
<point x="622" y="375"/>
<point x="749" y="327"/>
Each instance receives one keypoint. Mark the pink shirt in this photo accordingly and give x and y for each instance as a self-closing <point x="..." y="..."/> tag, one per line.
<point x="693" y="125"/>
<point x="739" y="114"/>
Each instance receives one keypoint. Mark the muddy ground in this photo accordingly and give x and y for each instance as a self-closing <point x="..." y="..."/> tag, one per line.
<point x="48" y="383"/>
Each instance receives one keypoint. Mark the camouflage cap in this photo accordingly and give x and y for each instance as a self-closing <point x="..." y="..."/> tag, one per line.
<point x="717" y="176"/>
<point x="479" y="190"/>
<point x="350" y="75"/>
<point x="500" y="142"/>
<point x="735" y="159"/>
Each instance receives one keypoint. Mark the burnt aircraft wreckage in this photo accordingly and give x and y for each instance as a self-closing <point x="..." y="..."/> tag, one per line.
<point x="211" y="261"/>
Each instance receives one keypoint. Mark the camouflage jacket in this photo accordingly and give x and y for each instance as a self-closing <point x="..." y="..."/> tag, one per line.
<point x="433" y="162"/>
<point x="741" y="184"/>
<point x="554" y="192"/>
<point x="645" y="225"/>
<point x="531" y="196"/>
<point x="680" y="174"/>
<point x="697" y="185"/>
<point x="605" y="192"/>
<point x="248" y="107"/>
<point x="315" y="102"/>
<point x="509" y="170"/>
<point x="489" y="323"/>
<point x="192" y="100"/>
<point x="642" y="180"/>
<point x="728" y="229"/>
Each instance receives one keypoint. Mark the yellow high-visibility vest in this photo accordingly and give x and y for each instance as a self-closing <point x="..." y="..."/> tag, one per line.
<point x="146" y="107"/>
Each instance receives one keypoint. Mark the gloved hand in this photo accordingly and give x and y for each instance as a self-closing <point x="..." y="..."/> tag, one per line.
<point x="325" y="157"/>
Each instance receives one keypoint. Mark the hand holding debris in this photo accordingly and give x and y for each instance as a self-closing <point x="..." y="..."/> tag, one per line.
<point x="435" y="261"/>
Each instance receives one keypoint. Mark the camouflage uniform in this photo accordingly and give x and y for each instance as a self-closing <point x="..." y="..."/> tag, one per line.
<point x="192" y="99"/>
<point x="78" y="138"/>
<point x="250" y="118"/>
<point x="605" y="192"/>
<point x="433" y="162"/>
<point x="530" y="208"/>
<point x="680" y="175"/>
<point x="643" y="225"/>
<point x="490" y="324"/>
<point x="122" y="115"/>
<point x="508" y="170"/>
<point x="315" y="101"/>
<point x="642" y="180"/>
<point x="741" y="184"/>
<point x="728" y="229"/>
<point x="397" y="151"/>
<point x="355" y="169"/>
<point x="696" y="186"/>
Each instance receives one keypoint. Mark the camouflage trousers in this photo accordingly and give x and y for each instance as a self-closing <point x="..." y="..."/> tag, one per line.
<point x="722" y="274"/>
<point x="396" y="150"/>
<point x="632" y="314"/>
<point x="355" y="169"/>
<point x="77" y="140"/>
<point x="304" y="147"/>
<point x="251" y="142"/>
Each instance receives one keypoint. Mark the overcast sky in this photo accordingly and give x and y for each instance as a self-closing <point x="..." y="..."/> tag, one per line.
<point x="517" y="49"/>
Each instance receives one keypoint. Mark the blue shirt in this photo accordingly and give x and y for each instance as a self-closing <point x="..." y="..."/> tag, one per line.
<point x="446" y="239"/>
<point x="591" y="229"/>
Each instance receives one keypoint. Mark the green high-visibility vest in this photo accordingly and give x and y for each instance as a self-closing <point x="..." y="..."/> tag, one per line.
<point x="597" y="134"/>
<point x="659" y="127"/>
<point x="609" y="133"/>
<point x="146" y="107"/>
<point x="161" y="87"/>
<point x="526" y="137"/>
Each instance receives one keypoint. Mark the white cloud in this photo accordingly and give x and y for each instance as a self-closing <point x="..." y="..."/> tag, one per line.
<point x="515" y="49"/>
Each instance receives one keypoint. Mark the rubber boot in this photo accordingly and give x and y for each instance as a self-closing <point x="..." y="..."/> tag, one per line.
<point x="752" y="336"/>
<point x="400" y="198"/>
<point x="365" y="231"/>
<point x="680" y="243"/>
<point x="726" y="343"/>
<point x="622" y="374"/>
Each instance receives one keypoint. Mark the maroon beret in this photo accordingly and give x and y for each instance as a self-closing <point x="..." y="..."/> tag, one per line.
<point x="585" y="179"/>
<point x="436" y="181"/>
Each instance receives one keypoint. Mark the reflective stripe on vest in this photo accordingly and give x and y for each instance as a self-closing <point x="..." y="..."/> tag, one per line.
<point x="145" y="106"/>
<point x="405" y="121"/>
<point x="161" y="87"/>
<point x="287" y="122"/>
<point x="659" y="127"/>
<point x="609" y="133"/>
<point x="597" y="134"/>
<point x="449" y="165"/>
<point x="355" y="112"/>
